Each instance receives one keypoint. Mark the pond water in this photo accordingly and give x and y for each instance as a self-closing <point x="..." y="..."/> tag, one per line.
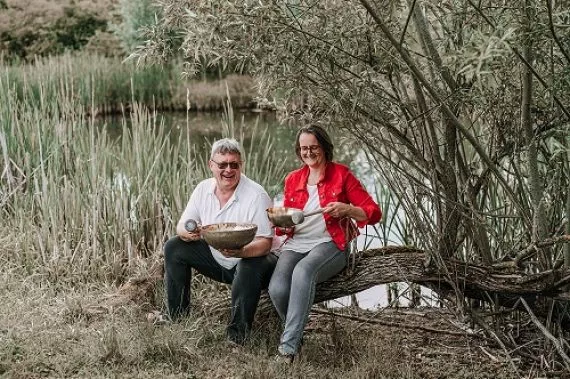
<point x="204" y="128"/>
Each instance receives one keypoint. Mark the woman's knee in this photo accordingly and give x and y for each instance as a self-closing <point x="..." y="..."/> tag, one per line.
<point x="303" y="272"/>
<point x="277" y="290"/>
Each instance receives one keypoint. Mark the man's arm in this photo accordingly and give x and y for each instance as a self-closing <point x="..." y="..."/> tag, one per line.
<point x="191" y="212"/>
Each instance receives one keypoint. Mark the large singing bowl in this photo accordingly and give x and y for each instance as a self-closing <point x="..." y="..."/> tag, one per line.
<point x="282" y="216"/>
<point x="228" y="235"/>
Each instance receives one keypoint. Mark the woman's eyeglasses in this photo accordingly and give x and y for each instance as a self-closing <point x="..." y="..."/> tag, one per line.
<point x="311" y="148"/>
<point x="223" y="165"/>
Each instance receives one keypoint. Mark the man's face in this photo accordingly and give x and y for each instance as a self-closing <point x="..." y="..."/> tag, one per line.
<point x="226" y="169"/>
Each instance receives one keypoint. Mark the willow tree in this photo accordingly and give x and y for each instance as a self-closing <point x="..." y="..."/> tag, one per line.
<point x="460" y="105"/>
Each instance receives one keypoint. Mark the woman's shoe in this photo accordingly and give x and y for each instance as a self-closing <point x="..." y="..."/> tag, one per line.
<point x="285" y="358"/>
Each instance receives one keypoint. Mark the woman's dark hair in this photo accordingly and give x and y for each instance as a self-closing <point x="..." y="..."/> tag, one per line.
<point x="322" y="137"/>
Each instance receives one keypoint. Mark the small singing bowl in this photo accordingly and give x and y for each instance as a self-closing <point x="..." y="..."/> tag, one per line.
<point x="281" y="216"/>
<point x="228" y="235"/>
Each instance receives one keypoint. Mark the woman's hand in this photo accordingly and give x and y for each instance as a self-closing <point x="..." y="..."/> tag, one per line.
<point x="337" y="209"/>
<point x="285" y="230"/>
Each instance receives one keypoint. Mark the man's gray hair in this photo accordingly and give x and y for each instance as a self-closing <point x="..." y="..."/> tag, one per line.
<point x="227" y="146"/>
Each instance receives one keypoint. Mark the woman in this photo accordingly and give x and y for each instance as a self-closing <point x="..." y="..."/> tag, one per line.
<point x="315" y="250"/>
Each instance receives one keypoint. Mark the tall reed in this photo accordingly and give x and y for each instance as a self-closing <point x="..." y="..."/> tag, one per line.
<point x="88" y="205"/>
<point x="100" y="83"/>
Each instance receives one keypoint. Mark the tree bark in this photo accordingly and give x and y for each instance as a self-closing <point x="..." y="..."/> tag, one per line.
<point x="394" y="264"/>
<point x="407" y="264"/>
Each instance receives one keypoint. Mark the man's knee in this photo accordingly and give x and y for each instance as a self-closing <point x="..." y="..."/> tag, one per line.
<point x="259" y="265"/>
<point x="171" y="248"/>
<point x="176" y="250"/>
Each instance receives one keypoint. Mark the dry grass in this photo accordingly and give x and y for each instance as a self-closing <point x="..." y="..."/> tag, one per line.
<point x="47" y="330"/>
<point x="211" y="95"/>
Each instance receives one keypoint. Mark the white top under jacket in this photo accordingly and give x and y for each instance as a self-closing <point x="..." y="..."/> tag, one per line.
<point x="313" y="231"/>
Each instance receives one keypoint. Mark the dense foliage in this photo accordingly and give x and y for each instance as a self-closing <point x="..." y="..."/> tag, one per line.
<point x="42" y="28"/>
<point x="434" y="90"/>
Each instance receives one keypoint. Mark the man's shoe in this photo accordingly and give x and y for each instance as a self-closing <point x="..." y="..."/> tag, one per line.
<point x="158" y="318"/>
<point x="235" y="347"/>
<point x="284" y="357"/>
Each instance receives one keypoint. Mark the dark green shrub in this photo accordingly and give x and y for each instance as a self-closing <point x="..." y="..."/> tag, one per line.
<point x="74" y="30"/>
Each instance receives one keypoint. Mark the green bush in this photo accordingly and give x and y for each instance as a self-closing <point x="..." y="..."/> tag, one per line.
<point x="74" y="30"/>
<point x="25" y="34"/>
<point x="136" y="15"/>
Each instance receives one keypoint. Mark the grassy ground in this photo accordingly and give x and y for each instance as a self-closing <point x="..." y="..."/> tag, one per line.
<point x="47" y="331"/>
<point x="59" y="329"/>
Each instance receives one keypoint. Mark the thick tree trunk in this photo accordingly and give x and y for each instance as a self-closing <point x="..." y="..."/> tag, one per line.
<point x="396" y="264"/>
<point x="407" y="264"/>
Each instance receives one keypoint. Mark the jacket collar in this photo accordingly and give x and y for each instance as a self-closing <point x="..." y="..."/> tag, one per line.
<point x="304" y="177"/>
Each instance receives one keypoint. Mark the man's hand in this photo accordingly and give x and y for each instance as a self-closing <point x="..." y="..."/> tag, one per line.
<point x="258" y="247"/>
<point x="187" y="236"/>
<point x="232" y="253"/>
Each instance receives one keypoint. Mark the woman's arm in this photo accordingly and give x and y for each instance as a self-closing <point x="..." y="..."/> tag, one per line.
<point x="361" y="199"/>
<point x="339" y="210"/>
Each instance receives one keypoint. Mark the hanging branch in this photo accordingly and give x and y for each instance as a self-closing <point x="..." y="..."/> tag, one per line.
<point x="434" y="93"/>
<point x="526" y="63"/>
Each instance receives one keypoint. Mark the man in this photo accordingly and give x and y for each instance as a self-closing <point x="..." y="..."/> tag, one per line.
<point x="227" y="197"/>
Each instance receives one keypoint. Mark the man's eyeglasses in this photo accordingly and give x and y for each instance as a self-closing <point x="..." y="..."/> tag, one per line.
<point x="311" y="148"/>
<point x="223" y="165"/>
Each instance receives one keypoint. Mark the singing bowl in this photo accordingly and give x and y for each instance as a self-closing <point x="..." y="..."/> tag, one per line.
<point x="228" y="235"/>
<point x="282" y="216"/>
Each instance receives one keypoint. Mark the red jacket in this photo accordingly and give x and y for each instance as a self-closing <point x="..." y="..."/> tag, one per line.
<point x="337" y="184"/>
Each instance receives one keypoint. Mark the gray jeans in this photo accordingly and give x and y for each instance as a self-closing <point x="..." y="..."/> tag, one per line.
<point x="292" y="287"/>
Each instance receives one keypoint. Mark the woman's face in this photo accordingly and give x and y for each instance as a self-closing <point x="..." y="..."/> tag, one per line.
<point x="312" y="153"/>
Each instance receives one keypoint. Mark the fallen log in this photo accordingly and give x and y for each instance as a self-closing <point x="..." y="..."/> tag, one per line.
<point x="407" y="264"/>
<point x="396" y="264"/>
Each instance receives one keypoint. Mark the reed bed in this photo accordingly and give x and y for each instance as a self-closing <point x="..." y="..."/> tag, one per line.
<point x="108" y="85"/>
<point x="89" y="206"/>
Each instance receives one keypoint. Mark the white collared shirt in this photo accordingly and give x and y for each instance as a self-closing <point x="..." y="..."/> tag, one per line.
<point x="247" y="204"/>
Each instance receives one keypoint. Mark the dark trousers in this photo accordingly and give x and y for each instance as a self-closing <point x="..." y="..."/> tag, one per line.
<point x="247" y="278"/>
